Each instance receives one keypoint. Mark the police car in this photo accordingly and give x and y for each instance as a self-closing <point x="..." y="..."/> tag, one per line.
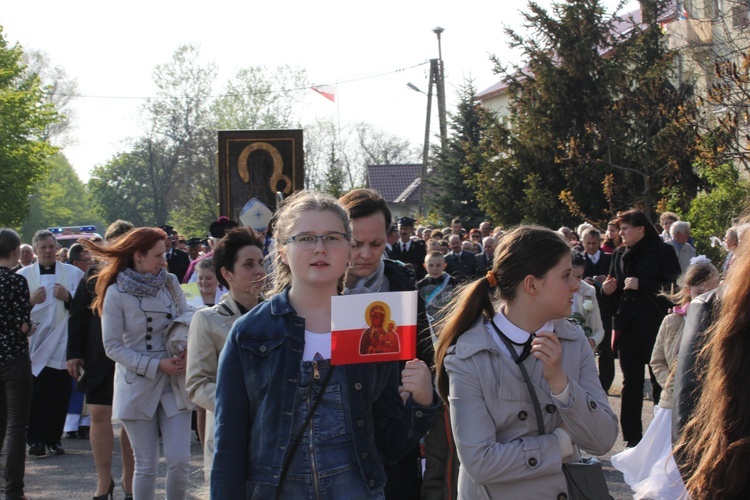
<point x="68" y="235"/>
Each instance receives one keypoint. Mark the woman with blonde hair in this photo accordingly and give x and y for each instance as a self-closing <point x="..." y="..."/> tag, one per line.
<point x="137" y="300"/>
<point x="489" y="344"/>
<point x="288" y="423"/>
<point x="713" y="450"/>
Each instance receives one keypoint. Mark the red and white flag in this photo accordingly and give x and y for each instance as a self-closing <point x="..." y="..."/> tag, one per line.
<point x="327" y="91"/>
<point x="373" y="327"/>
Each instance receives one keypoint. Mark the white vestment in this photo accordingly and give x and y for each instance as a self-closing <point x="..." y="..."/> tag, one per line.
<point x="48" y="345"/>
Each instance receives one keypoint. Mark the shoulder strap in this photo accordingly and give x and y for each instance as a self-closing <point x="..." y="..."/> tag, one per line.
<point x="295" y="444"/>
<point x="532" y="392"/>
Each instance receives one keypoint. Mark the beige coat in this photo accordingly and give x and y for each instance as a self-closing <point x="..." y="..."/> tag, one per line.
<point x="208" y="332"/>
<point x="494" y="423"/>
<point x="139" y="384"/>
<point x="664" y="356"/>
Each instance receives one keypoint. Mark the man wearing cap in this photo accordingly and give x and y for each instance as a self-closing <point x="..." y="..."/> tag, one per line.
<point x="194" y="248"/>
<point x="177" y="260"/>
<point x="410" y="251"/>
<point x="216" y="231"/>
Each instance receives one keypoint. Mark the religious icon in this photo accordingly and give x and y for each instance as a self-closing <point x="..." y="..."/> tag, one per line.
<point x="381" y="336"/>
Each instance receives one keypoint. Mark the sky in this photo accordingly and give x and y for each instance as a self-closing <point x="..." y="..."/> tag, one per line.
<point x="370" y="51"/>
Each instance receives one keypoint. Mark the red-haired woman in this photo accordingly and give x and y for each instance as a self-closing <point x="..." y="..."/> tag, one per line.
<point x="137" y="299"/>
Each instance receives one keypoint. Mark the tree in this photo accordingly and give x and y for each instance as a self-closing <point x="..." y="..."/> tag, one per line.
<point x="261" y="98"/>
<point x="24" y="117"/>
<point x="333" y="178"/>
<point x="60" y="199"/>
<point x="727" y="197"/>
<point x="448" y="189"/>
<point x="59" y="91"/>
<point x="598" y="123"/>
<point x="130" y="185"/>
<point x="354" y="149"/>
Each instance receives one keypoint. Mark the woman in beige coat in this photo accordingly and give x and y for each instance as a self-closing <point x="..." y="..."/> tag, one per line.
<point x="494" y="423"/>
<point x="239" y="268"/>
<point x="137" y="300"/>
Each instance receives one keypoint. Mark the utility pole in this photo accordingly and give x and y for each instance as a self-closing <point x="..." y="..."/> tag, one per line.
<point x="440" y="87"/>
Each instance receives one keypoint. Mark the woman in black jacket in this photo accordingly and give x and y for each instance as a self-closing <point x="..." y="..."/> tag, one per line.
<point x="369" y="273"/>
<point x="641" y="268"/>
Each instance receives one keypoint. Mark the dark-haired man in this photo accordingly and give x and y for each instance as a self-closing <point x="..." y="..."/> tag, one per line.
<point x="597" y="268"/>
<point x="410" y="251"/>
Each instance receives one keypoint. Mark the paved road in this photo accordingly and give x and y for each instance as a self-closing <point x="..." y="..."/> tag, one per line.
<point x="72" y="476"/>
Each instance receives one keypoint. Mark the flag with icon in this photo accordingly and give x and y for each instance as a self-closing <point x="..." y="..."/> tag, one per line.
<point x="373" y="327"/>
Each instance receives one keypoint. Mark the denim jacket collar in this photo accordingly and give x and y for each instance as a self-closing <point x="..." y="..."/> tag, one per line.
<point x="280" y="305"/>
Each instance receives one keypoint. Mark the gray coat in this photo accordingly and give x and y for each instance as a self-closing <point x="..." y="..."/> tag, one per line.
<point x="139" y="384"/>
<point x="494" y="424"/>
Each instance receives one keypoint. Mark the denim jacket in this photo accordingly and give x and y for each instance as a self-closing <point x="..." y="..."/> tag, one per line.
<point x="258" y="377"/>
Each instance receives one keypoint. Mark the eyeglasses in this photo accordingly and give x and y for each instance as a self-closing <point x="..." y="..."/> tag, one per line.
<point x="309" y="241"/>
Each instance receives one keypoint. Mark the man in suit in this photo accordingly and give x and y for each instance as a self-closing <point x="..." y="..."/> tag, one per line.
<point x="462" y="265"/>
<point x="177" y="260"/>
<point x="597" y="268"/>
<point x="484" y="259"/>
<point x="392" y="237"/>
<point x="407" y="250"/>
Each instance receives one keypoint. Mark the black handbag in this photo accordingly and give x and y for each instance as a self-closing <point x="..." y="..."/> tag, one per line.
<point x="585" y="480"/>
<point x="585" y="477"/>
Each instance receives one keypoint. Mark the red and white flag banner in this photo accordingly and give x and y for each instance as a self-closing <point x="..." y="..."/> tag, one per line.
<point x="327" y="91"/>
<point x="373" y="327"/>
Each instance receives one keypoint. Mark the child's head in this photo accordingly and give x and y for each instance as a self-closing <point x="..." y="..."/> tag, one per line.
<point x="434" y="263"/>
<point x="701" y="277"/>
<point x="207" y="281"/>
<point x="579" y="264"/>
<point x="314" y="214"/>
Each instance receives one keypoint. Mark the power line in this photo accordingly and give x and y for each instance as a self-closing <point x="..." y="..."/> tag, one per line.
<point x="284" y="91"/>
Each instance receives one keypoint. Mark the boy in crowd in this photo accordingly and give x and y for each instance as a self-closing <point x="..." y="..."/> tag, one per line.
<point x="437" y="287"/>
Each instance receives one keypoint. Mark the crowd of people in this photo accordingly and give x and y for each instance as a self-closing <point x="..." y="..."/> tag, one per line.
<point x="509" y="321"/>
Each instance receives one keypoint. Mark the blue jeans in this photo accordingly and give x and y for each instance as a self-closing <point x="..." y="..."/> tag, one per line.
<point x="15" y="401"/>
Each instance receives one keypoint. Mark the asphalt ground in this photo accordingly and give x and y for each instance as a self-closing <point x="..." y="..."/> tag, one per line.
<point x="72" y="475"/>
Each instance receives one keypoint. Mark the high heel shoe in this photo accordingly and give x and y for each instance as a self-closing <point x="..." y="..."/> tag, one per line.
<point x="110" y="494"/>
<point x="128" y="496"/>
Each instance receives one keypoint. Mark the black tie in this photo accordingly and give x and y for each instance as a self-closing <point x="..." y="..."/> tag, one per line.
<point x="525" y="352"/>
<point x="403" y="247"/>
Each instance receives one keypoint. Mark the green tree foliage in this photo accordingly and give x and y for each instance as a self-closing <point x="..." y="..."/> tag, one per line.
<point x="261" y="98"/>
<point x="597" y="123"/>
<point x="60" y="199"/>
<point x="170" y="175"/>
<point x="122" y="188"/>
<point x="448" y="193"/>
<point x="333" y="178"/>
<point x="714" y="210"/>
<point x="24" y="117"/>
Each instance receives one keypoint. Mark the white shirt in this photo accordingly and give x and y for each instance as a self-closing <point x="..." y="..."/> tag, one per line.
<point x="316" y="343"/>
<point x="404" y="246"/>
<point x="511" y="331"/>
<point x="595" y="258"/>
